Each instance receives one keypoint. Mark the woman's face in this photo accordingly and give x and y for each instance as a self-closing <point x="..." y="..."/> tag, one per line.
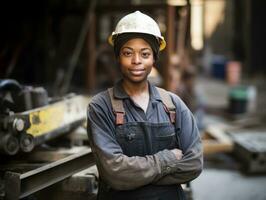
<point x="136" y="60"/>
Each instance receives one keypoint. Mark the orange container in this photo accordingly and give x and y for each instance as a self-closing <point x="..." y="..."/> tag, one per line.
<point x="233" y="72"/>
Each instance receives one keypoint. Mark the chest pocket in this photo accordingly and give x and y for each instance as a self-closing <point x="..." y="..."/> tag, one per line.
<point x="131" y="139"/>
<point x="165" y="137"/>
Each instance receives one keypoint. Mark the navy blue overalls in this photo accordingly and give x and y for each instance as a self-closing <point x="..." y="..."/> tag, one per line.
<point x="140" y="139"/>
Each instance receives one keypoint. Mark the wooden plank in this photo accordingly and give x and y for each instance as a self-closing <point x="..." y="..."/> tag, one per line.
<point x="215" y="140"/>
<point x="91" y="52"/>
<point x="170" y="47"/>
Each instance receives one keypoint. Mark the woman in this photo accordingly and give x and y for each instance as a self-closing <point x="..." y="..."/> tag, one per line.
<point x="144" y="139"/>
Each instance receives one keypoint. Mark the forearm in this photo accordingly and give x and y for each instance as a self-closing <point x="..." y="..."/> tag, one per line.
<point x="124" y="173"/>
<point x="188" y="168"/>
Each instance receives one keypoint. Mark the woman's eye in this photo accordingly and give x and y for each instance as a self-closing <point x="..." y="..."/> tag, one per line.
<point x="145" y="54"/>
<point x="126" y="53"/>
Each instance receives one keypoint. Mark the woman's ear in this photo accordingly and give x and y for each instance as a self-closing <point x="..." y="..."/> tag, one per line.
<point x="155" y="62"/>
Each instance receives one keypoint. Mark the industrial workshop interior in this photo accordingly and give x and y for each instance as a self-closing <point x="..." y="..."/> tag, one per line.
<point x="55" y="57"/>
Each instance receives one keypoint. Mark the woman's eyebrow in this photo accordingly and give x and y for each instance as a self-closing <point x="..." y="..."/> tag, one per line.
<point x="128" y="48"/>
<point x="146" y="48"/>
<point x="142" y="49"/>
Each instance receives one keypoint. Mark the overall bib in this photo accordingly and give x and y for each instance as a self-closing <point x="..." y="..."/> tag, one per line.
<point x="140" y="139"/>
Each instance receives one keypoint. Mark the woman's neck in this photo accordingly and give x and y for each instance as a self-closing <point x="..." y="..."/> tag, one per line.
<point x="139" y="93"/>
<point x="135" y="89"/>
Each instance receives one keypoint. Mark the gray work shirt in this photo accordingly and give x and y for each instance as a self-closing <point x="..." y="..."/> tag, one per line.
<point x="124" y="173"/>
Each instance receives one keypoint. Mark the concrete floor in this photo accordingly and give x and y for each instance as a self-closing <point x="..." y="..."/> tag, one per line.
<point x="221" y="178"/>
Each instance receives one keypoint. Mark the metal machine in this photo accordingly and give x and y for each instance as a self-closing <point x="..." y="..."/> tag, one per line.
<point x="250" y="149"/>
<point x="29" y="118"/>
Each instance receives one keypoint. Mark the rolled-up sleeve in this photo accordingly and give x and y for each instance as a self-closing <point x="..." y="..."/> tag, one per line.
<point x="116" y="169"/>
<point x="191" y="164"/>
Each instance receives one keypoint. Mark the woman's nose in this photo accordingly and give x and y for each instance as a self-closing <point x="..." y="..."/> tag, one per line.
<point x="136" y="59"/>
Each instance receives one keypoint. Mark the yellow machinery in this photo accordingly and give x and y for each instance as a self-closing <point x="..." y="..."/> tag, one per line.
<point x="28" y="117"/>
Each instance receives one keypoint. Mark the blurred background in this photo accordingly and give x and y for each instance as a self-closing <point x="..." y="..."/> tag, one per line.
<point x="213" y="60"/>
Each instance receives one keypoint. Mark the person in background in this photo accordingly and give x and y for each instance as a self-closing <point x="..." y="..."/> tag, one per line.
<point x="192" y="95"/>
<point x="145" y="140"/>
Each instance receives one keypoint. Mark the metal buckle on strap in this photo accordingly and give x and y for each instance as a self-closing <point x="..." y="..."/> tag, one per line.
<point x="119" y="118"/>
<point x="172" y="115"/>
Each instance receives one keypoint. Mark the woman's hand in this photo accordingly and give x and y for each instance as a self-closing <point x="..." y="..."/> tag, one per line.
<point x="178" y="153"/>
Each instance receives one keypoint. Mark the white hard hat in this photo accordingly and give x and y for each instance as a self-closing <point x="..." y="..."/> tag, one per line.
<point x="138" y="22"/>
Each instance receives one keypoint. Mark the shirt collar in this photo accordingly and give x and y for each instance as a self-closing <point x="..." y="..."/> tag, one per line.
<point x="120" y="93"/>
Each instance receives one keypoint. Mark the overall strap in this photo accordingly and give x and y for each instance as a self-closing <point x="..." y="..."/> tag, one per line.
<point x="168" y="104"/>
<point x="118" y="108"/>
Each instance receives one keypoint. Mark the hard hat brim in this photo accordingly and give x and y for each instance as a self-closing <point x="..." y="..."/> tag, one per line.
<point x="162" y="42"/>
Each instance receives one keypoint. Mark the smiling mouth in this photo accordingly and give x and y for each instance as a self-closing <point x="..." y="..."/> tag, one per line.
<point x="137" y="72"/>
